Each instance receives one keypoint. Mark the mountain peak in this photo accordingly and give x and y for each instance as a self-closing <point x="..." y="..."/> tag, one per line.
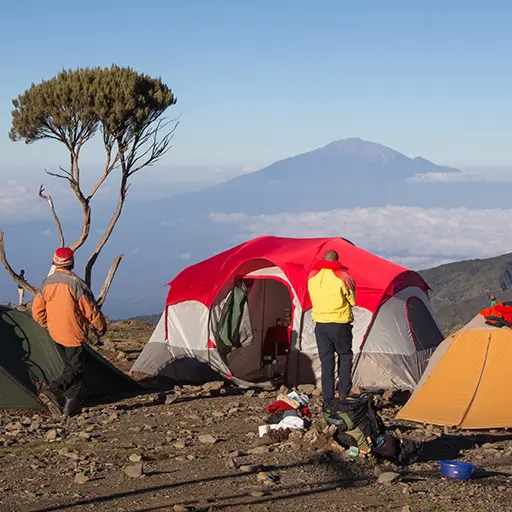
<point x="363" y="150"/>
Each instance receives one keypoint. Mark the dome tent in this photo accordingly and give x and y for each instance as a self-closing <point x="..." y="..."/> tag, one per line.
<point x="29" y="355"/>
<point x="394" y="328"/>
<point x="467" y="381"/>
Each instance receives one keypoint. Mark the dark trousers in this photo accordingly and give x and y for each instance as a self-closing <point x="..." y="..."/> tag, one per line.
<point x="71" y="383"/>
<point x="335" y="338"/>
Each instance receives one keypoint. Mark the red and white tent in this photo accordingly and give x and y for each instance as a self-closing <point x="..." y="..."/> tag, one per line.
<point x="395" y="331"/>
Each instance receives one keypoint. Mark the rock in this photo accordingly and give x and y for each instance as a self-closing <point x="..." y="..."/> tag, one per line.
<point x="306" y="389"/>
<point x="213" y="386"/>
<point x="80" y="478"/>
<point x="235" y="454"/>
<point x="258" y="450"/>
<point x="488" y="446"/>
<point x="231" y="464"/>
<point x="51" y="435"/>
<point x="121" y="355"/>
<point x="250" y="393"/>
<point x="135" y="457"/>
<point x="317" y="392"/>
<point x="257" y="494"/>
<point x="406" y="508"/>
<point x="264" y="440"/>
<point x="283" y="390"/>
<point x="207" y="439"/>
<point x="182" y="508"/>
<point x="377" y="471"/>
<point x="170" y="399"/>
<point x="134" y="470"/>
<point x="251" y="468"/>
<point x="311" y="436"/>
<point x="179" y="445"/>
<point x="267" y="478"/>
<point x="388" y="478"/>
<point x="84" y="435"/>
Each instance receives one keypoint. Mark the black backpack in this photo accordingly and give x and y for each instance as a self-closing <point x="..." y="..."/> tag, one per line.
<point x="359" y="424"/>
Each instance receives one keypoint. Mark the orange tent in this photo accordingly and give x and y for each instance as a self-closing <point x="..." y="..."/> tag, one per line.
<point x="467" y="382"/>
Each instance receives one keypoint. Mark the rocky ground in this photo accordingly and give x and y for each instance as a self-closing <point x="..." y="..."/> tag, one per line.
<point x="197" y="448"/>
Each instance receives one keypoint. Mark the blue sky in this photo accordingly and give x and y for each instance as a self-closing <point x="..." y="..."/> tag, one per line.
<point x="259" y="81"/>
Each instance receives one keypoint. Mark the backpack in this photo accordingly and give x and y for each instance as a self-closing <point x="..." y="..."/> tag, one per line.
<point x="357" y="420"/>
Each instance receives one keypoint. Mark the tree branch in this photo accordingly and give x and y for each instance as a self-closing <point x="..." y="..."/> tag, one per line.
<point x="75" y="187"/>
<point x="16" y="277"/>
<point x="49" y="200"/>
<point x="111" y="225"/>
<point x="108" y="281"/>
<point x="110" y="165"/>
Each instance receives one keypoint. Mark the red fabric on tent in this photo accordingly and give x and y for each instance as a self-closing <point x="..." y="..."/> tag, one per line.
<point x="376" y="278"/>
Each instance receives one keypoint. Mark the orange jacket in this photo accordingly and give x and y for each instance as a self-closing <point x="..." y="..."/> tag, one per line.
<point x="65" y="306"/>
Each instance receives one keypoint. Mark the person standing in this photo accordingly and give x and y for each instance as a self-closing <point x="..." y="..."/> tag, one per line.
<point x="66" y="307"/>
<point x="332" y="292"/>
<point x="21" y="290"/>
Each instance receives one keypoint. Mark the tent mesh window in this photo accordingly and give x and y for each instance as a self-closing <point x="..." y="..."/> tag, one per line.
<point x="424" y="330"/>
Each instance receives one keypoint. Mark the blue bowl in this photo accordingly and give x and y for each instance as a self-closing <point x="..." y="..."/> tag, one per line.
<point x="453" y="469"/>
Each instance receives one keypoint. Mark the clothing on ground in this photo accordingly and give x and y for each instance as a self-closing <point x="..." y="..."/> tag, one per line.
<point x="65" y="306"/>
<point x="331" y="339"/>
<point x="332" y="292"/>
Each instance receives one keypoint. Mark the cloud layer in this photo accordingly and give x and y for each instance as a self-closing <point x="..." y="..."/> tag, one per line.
<point x="415" y="237"/>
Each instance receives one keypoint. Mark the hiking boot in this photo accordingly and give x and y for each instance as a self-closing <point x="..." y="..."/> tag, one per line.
<point x="52" y="401"/>
<point x="72" y="407"/>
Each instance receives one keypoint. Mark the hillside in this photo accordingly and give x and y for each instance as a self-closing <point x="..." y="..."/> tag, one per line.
<point x="460" y="290"/>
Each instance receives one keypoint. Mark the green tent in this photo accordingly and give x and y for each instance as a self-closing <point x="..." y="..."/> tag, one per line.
<point x="29" y="355"/>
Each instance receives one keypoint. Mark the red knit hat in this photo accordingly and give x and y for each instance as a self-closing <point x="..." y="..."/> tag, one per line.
<point x="63" y="257"/>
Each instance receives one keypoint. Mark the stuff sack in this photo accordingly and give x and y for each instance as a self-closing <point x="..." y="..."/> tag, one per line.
<point x="356" y="419"/>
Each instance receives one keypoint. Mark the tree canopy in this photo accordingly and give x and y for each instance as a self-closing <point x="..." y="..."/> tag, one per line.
<point x="124" y="106"/>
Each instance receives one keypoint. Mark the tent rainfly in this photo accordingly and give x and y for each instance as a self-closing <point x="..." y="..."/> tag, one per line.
<point x="220" y="317"/>
<point x="29" y="355"/>
<point x="467" y="381"/>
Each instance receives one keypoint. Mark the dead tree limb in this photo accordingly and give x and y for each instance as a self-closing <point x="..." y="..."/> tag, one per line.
<point x="15" y="277"/>
<point x="49" y="200"/>
<point x="108" y="280"/>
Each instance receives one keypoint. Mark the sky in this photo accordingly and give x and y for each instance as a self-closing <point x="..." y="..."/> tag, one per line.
<point x="257" y="82"/>
<point x="260" y="81"/>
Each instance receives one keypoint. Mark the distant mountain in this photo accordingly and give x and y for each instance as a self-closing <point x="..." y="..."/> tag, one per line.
<point x="460" y="290"/>
<point x="343" y="174"/>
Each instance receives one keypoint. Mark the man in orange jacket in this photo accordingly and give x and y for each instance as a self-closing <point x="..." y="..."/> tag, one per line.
<point x="66" y="307"/>
<point x="332" y="292"/>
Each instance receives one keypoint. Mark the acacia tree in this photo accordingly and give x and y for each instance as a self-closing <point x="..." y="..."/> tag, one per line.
<point x="125" y="108"/>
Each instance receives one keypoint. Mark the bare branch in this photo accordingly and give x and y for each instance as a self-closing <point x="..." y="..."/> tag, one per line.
<point x="110" y="165"/>
<point x="60" y="176"/>
<point x="156" y="149"/>
<point x="111" y="225"/>
<point x="49" y="200"/>
<point x="16" y="277"/>
<point x="108" y="281"/>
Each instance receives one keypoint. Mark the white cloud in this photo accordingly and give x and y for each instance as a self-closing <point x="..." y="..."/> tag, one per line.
<point x="186" y="256"/>
<point x="46" y="232"/>
<point x="17" y="202"/>
<point x="459" y="177"/>
<point x="412" y="236"/>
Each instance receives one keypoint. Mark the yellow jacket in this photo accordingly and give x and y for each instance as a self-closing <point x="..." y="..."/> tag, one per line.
<point x="332" y="292"/>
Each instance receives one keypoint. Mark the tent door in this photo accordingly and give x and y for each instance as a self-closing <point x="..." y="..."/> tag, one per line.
<point x="268" y="302"/>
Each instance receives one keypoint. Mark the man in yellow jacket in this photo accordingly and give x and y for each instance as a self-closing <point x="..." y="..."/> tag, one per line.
<point x="332" y="292"/>
<point x="65" y="306"/>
